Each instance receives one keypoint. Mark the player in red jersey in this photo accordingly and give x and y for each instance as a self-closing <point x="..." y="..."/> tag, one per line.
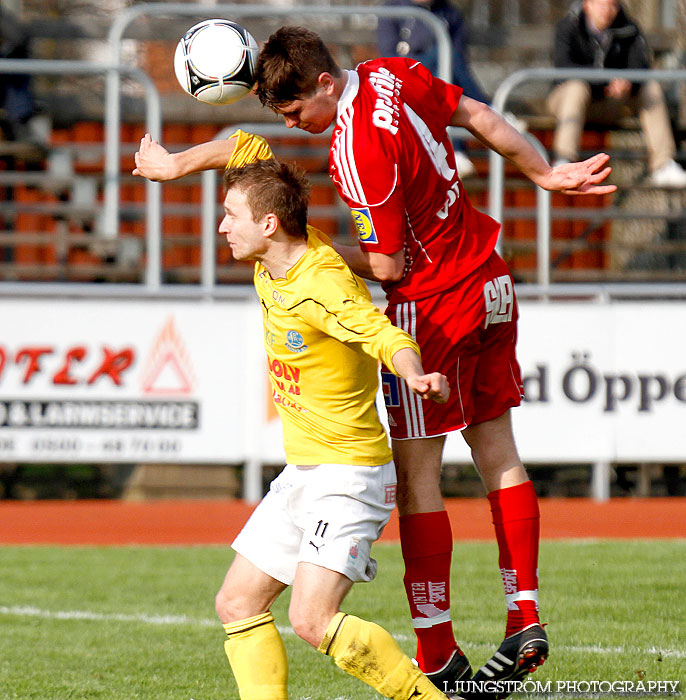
<point x="434" y="253"/>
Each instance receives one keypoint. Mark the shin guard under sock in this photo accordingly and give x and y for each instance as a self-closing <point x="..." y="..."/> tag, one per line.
<point x="427" y="545"/>
<point x="516" y="520"/>
<point x="368" y="652"/>
<point x="258" y="658"/>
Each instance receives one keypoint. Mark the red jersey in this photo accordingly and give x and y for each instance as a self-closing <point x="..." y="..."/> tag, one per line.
<point x="392" y="162"/>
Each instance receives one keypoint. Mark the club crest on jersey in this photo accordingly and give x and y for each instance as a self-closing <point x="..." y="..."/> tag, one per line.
<point x="295" y="342"/>
<point x="364" y="225"/>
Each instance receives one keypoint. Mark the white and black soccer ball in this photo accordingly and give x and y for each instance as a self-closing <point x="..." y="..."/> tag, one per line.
<point x="215" y="61"/>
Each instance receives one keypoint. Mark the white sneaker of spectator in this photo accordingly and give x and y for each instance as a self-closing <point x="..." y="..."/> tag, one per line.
<point x="671" y="174"/>
<point x="465" y="167"/>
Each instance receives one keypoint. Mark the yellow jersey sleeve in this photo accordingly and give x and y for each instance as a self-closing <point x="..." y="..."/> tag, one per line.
<point x="249" y="148"/>
<point x="341" y="312"/>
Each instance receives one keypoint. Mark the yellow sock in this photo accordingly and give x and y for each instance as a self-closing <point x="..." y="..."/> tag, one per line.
<point x="258" y="658"/>
<point x="368" y="652"/>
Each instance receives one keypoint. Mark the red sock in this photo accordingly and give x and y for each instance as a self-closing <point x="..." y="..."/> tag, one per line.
<point x="516" y="519"/>
<point x="427" y="545"/>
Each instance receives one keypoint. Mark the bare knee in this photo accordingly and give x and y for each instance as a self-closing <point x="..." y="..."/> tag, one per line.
<point x="495" y="454"/>
<point x="500" y="470"/>
<point x="246" y="591"/>
<point x="419" y="493"/>
<point x="228" y="607"/>
<point x="305" y="629"/>
<point x="232" y="605"/>
<point x="309" y="623"/>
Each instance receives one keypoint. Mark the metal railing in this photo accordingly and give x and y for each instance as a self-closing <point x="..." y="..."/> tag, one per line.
<point x="119" y="26"/>
<point x="208" y="273"/>
<point x="496" y="176"/>
<point x="153" y="120"/>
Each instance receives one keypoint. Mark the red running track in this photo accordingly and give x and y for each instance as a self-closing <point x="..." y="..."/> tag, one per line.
<point x="217" y="522"/>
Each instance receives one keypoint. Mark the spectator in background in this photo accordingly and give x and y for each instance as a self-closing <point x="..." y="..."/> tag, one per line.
<point x="16" y="97"/>
<point x="600" y="34"/>
<point x="407" y="36"/>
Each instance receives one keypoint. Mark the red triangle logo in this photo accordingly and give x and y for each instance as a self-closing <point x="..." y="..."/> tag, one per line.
<point x="167" y="377"/>
<point x="168" y="369"/>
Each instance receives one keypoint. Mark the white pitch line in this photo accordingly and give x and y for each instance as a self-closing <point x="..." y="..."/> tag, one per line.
<point x="30" y="611"/>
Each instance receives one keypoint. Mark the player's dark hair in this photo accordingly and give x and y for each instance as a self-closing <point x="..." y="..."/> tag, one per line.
<point x="274" y="188"/>
<point x="289" y="66"/>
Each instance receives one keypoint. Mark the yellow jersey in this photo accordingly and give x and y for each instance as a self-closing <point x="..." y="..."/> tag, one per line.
<point x="324" y="338"/>
<point x="248" y="148"/>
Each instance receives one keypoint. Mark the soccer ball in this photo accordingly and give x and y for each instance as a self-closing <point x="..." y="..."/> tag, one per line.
<point x="215" y="61"/>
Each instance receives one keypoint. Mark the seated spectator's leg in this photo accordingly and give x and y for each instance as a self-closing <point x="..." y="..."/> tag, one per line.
<point x="657" y="129"/>
<point x="568" y="103"/>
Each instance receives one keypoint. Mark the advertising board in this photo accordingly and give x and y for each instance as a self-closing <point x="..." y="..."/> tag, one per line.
<point x="182" y="381"/>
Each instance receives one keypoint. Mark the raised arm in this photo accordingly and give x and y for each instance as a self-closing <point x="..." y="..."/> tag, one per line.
<point x="155" y="162"/>
<point x="493" y="131"/>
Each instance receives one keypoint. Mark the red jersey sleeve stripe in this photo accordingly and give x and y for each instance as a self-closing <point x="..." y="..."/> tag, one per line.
<point x="345" y="161"/>
<point x="344" y="158"/>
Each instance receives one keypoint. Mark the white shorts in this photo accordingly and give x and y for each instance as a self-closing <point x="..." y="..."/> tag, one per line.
<point x="329" y="515"/>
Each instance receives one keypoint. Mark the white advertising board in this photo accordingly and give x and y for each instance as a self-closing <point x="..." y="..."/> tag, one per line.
<point x="145" y="381"/>
<point x="603" y="382"/>
<point x="118" y="381"/>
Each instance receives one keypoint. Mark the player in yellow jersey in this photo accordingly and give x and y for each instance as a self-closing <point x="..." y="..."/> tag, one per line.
<point x="315" y="527"/>
<point x="323" y="337"/>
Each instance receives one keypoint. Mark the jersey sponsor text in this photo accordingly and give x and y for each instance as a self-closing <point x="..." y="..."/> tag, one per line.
<point x="387" y="86"/>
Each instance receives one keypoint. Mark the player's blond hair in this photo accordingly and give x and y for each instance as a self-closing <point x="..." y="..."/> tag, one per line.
<point x="273" y="188"/>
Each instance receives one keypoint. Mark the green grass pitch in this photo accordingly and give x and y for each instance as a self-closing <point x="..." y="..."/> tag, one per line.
<point x="138" y="622"/>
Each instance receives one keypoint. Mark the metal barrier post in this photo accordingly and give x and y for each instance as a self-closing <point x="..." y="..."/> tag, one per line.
<point x="600" y="481"/>
<point x="208" y="272"/>
<point x="543" y="222"/>
<point x="153" y="120"/>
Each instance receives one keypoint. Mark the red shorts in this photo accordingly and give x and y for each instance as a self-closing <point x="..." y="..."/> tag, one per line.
<point x="468" y="333"/>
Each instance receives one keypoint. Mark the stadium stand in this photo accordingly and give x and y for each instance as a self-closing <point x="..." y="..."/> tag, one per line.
<point x="52" y="204"/>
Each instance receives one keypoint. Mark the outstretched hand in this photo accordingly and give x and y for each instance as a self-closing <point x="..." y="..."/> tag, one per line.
<point x="153" y="161"/>
<point x="580" y="178"/>
<point x="432" y="386"/>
